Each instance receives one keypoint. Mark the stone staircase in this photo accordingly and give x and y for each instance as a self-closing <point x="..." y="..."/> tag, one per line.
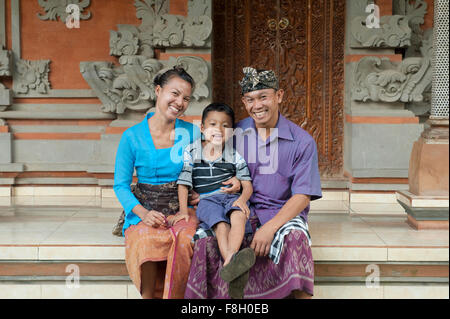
<point x="62" y="247"/>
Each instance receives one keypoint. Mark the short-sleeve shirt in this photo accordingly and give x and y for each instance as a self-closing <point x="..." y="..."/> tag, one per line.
<point x="205" y="177"/>
<point x="282" y="166"/>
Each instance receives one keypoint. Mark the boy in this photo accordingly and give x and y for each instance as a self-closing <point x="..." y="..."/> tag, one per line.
<point x="207" y="164"/>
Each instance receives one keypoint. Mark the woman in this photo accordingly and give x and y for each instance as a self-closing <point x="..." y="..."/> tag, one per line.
<point x="158" y="248"/>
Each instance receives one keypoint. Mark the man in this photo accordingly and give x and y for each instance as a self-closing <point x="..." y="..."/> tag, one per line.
<point x="283" y="164"/>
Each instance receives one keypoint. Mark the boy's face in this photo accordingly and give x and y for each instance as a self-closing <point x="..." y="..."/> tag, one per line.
<point x="217" y="127"/>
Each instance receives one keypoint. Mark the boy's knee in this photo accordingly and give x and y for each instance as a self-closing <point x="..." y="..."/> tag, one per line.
<point x="237" y="215"/>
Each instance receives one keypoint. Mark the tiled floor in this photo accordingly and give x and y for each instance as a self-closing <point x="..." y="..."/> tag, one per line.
<point x="88" y="220"/>
<point x="49" y="228"/>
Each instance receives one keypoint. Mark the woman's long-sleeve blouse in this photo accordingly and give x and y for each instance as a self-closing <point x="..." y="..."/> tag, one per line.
<point x="153" y="166"/>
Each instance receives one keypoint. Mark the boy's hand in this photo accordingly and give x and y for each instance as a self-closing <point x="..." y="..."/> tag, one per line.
<point x="194" y="198"/>
<point x="243" y="206"/>
<point x="172" y="220"/>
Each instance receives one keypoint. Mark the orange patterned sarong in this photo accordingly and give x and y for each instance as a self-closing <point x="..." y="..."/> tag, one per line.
<point x="170" y="247"/>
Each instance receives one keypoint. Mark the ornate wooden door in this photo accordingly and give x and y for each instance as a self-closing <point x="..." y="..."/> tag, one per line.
<point x="303" y="42"/>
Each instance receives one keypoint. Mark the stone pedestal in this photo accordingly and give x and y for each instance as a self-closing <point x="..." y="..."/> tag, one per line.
<point x="427" y="201"/>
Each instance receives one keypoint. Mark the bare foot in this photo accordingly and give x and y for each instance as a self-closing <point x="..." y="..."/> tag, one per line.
<point x="227" y="260"/>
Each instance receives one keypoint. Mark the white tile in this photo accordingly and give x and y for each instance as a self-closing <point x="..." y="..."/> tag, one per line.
<point x="108" y="193"/>
<point x="54" y="200"/>
<point x="23" y="191"/>
<point x="334" y="195"/>
<point x="84" y="291"/>
<point x="83" y="237"/>
<point x="373" y="198"/>
<point x="418" y="254"/>
<point x="17" y="237"/>
<point x="18" y="252"/>
<point x="65" y="191"/>
<point x="5" y="201"/>
<point x="20" y="291"/>
<point x="81" y="252"/>
<point x="347" y="292"/>
<point x="349" y="253"/>
<point x="416" y="291"/>
<point x="412" y="200"/>
<point x="133" y="293"/>
<point x="377" y="208"/>
<point x="5" y="191"/>
<point x="329" y="205"/>
<point x="112" y="202"/>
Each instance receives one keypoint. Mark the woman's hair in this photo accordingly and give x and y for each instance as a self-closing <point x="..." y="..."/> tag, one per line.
<point x="218" y="107"/>
<point x="163" y="78"/>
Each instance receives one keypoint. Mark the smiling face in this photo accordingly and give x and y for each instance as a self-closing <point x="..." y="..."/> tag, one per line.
<point x="217" y="127"/>
<point x="173" y="98"/>
<point x="263" y="106"/>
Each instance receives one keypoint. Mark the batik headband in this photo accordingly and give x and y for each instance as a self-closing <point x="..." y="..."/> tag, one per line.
<point x="254" y="80"/>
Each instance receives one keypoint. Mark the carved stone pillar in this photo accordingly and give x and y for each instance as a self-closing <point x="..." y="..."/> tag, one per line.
<point x="426" y="202"/>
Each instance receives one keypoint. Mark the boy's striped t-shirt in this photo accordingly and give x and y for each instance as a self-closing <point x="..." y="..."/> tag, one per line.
<point x="206" y="177"/>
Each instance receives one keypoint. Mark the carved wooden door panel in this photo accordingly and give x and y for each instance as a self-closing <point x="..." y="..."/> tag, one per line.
<point x="303" y="42"/>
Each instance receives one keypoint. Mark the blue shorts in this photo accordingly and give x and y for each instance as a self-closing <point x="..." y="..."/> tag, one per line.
<point x="217" y="208"/>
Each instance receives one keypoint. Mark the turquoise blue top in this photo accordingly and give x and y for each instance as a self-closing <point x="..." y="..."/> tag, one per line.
<point x="153" y="166"/>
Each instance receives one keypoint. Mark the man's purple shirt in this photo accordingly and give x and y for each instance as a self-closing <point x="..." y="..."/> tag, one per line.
<point x="285" y="164"/>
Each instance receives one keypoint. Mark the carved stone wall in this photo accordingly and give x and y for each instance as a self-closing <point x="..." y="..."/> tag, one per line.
<point x="388" y="80"/>
<point x="58" y="130"/>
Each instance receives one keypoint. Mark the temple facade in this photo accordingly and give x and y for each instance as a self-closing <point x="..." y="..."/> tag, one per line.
<point x="368" y="79"/>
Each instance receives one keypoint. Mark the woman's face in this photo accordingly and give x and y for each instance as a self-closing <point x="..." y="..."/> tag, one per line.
<point x="173" y="98"/>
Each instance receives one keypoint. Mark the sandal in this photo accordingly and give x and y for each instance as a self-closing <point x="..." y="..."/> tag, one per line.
<point x="240" y="263"/>
<point x="237" y="286"/>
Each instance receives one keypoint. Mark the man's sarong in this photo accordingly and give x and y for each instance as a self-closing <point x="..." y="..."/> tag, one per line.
<point x="294" y="271"/>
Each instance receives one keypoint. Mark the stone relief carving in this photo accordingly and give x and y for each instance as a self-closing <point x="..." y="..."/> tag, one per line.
<point x="393" y="32"/>
<point x="31" y="76"/>
<point x="5" y="70"/>
<point x="415" y="12"/>
<point x="161" y="29"/>
<point x="5" y="62"/>
<point x="55" y="9"/>
<point x="130" y="84"/>
<point x="379" y="79"/>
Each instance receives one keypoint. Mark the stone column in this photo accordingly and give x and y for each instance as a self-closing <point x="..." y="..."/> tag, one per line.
<point x="426" y="202"/>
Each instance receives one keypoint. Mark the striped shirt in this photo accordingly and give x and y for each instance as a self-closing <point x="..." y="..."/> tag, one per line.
<point x="205" y="177"/>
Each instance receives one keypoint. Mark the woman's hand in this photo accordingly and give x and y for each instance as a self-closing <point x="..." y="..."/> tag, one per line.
<point x="235" y="186"/>
<point x="154" y="219"/>
<point x="262" y="240"/>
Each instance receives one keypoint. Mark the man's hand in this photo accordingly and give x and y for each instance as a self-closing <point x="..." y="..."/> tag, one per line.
<point x="154" y="219"/>
<point x="235" y="186"/>
<point x="262" y="240"/>
<point x="243" y="206"/>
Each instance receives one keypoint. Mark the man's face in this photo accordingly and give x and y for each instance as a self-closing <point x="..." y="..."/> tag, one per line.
<point x="262" y="106"/>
